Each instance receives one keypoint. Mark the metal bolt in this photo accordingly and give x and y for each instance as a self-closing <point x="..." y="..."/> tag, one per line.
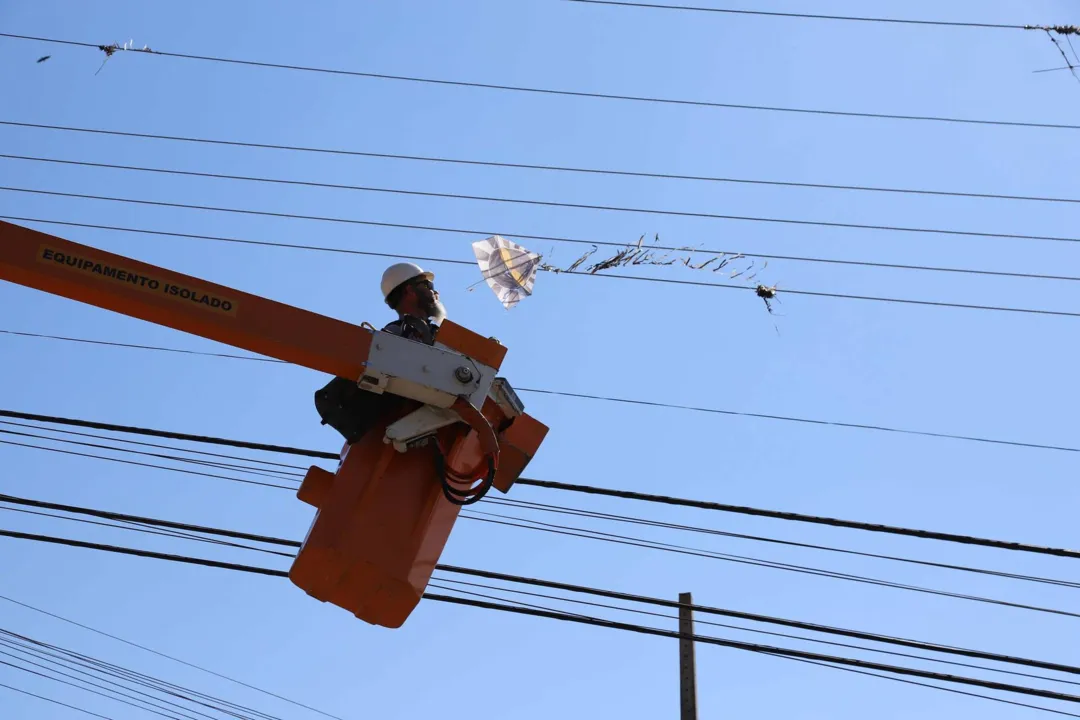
<point x="463" y="374"/>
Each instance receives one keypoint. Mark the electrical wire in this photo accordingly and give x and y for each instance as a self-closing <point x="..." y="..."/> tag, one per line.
<point x="627" y="597"/>
<point x="576" y="241"/>
<point x="548" y="168"/>
<point x="570" y="531"/>
<point x="788" y="636"/>
<point x="616" y="276"/>
<point x="635" y="520"/>
<point x="88" y="690"/>
<point x="554" y="92"/>
<point x="281" y="475"/>
<point x="136" y="527"/>
<point x="139" y="464"/>
<point x="165" y="656"/>
<point x="578" y="512"/>
<point x="533" y="202"/>
<point x="158" y="445"/>
<point x="94" y="667"/>
<point x="807" y="16"/>
<point x="662" y="405"/>
<point x="578" y="488"/>
<point x="55" y="702"/>
<point x="752" y="647"/>
<point x="582" y="533"/>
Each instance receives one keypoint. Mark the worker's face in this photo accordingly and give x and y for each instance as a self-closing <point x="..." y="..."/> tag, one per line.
<point x="427" y="299"/>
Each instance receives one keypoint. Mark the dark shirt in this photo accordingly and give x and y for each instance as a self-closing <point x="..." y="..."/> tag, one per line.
<point x="413" y="328"/>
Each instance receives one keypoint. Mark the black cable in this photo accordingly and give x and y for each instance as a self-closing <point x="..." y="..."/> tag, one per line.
<point x="175" y="715"/>
<point x="807" y="16"/>
<point x="936" y="687"/>
<point x="550" y="168"/>
<point x="578" y="512"/>
<point x="633" y="520"/>
<point x="566" y="93"/>
<point x="668" y="281"/>
<point x="753" y="617"/>
<point x="534" y="202"/>
<point x="799" y="517"/>
<point x="490" y="575"/>
<point x="55" y="702"/>
<point x="124" y="517"/>
<point x="576" y="241"/>
<point x="92" y="665"/>
<point x="787" y="652"/>
<point x="231" y="467"/>
<point x="147" y="465"/>
<point x="144" y="648"/>
<point x="577" y="488"/>
<point x="157" y="445"/>
<point x="811" y="662"/>
<point x="673" y="406"/>
<point x="137" y="527"/>
<point x="527" y="201"/>
<point x="168" y="435"/>
<point x="788" y="636"/>
<point x="88" y="690"/>
<point x="570" y="531"/>
<point x="752" y="647"/>
<point x="599" y="536"/>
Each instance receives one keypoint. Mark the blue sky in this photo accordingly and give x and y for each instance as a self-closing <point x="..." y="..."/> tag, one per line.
<point x="955" y="371"/>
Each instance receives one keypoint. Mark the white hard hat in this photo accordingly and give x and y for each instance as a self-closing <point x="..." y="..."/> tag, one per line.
<point x="399" y="273"/>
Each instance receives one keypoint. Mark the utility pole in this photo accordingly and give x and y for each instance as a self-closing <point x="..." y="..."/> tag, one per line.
<point x="687" y="666"/>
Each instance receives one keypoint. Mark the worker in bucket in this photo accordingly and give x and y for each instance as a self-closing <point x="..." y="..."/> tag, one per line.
<point x="410" y="291"/>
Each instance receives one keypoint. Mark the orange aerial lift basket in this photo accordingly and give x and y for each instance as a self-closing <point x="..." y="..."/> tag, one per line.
<point x="441" y="428"/>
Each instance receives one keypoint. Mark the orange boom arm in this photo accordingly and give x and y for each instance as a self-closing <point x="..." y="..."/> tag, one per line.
<point x="144" y="291"/>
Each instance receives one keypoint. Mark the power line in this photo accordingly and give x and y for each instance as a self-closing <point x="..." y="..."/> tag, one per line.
<point x="772" y="564"/>
<point x="650" y="544"/>
<point x="581" y="589"/>
<point x="261" y="472"/>
<point x="542" y="167"/>
<point x="93" y="692"/>
<point x="140" y="464"/>
<point x="578" y="488"/>
<point x="788" y="636"/>
<point x="540" y="203"/>
<point x="55" y="702"/>
<point x="158" y="445"/>
<point x="810" y="16"/>
<point x="650" y="404"/>
<point x="751" y="647"/>
<point x="812" y="662"/>
<point x="576" y="241"/>
<point x="163" y="655"/>
<point x="566" y="93"/>
<point x="666" y="281"/>
<point x="578" y="512"/>
<point x="631" y="541"/>
<point x="95" y="668"/>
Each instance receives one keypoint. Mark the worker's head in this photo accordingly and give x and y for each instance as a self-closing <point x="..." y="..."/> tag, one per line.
<point x="411" y="291"/>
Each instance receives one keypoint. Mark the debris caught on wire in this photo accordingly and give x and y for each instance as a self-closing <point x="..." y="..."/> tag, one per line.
<point x="1065" y="31"/>
<point x="111" y="50"/>
<point x="508" y="268"/>
<point x="767" y="294"/>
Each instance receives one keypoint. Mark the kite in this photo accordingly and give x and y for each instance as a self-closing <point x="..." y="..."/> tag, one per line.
<point x="509" y="269"/>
